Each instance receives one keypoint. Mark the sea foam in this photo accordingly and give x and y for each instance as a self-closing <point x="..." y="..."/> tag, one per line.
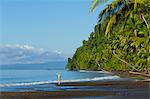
<point x="62" y="81"/>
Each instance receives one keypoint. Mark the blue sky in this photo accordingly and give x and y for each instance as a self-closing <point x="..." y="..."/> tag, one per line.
<point x="49" y="24"/>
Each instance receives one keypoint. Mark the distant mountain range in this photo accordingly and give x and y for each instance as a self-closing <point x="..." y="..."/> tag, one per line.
<point x="25" y="54"/>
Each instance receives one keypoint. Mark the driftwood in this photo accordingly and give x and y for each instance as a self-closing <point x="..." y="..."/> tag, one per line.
<point x="138" y="73"/>
<point x="146" y="80"/>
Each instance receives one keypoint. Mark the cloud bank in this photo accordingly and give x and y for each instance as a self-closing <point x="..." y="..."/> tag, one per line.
<point x="25" y="54"/>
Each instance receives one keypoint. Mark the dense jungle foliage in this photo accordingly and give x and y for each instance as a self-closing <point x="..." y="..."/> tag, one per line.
<point x="120" y="41"/>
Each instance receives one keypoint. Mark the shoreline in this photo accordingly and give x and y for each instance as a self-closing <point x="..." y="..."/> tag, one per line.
<point x="125" y="74"/>
<point x="132" y="75"/>
<point x="117" y="89"/>
<point x="130" y="89"/>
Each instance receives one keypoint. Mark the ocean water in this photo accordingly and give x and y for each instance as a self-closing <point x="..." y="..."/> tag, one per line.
<point x="42" y="77"/>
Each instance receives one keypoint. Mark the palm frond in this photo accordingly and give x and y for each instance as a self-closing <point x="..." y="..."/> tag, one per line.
<point x="96" y="3"/>
<point x="110" y="23"/>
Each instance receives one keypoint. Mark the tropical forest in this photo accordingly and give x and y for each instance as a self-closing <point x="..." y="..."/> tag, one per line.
<point x="120" y="40"/>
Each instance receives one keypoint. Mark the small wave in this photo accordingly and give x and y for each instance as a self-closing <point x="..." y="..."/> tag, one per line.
<point x="24" y="84"/>
<point x="95" y="71"/>
<point x="62" y="81"/>
<point x="92" y="79"/>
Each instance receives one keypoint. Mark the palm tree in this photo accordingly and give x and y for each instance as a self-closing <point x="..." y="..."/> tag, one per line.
<point x="116" y="8"/>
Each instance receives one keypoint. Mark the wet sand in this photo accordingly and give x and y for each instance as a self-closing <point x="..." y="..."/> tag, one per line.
<point x="52" y="94"/>
<point x="127" y="90"/>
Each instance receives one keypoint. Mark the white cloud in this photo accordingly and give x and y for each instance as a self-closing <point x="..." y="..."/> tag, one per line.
<point x="22" y="54"/>
<point x="59" y="52"/>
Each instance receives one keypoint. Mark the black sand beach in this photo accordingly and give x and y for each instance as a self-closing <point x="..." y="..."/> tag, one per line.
<point x="127" y="90"/>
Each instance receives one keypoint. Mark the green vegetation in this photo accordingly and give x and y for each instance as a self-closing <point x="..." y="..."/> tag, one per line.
<point x="120" y="41"/>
